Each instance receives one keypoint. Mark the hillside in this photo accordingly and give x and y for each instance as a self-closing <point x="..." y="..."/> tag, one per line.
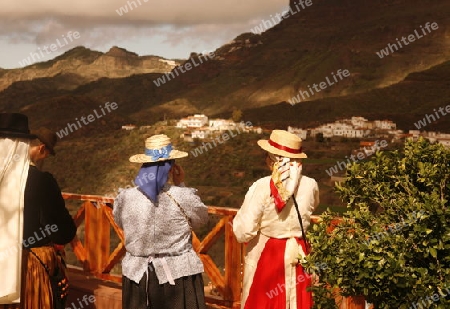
<point x="309" y="46"/>
<point x="405" y="103"/>
<point x="99" y="164"/>
<point x="81" y="65"/>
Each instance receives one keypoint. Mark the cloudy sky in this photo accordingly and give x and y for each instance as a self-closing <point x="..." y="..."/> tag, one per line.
<point x="168" y="28"/>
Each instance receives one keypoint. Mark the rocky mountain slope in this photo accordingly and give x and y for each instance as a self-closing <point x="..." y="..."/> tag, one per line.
<point x="81" y="65"/>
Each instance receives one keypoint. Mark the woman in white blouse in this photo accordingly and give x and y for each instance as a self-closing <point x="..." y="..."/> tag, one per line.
<point x="269" y="223"/>
<point x="160" y="270"/>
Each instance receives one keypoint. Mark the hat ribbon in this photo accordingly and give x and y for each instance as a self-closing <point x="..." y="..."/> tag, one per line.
<point x="162" y="153"/>
<point x="285" y="148"/>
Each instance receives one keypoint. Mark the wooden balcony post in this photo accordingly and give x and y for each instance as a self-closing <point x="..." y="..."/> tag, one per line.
<point x="97" y="237"/>
<point x="233" y="266"/>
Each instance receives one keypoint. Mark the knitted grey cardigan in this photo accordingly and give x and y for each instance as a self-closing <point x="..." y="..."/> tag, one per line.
<point x="159" y="232"/>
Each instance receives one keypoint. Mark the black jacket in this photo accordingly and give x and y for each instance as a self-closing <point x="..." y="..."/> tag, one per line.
<point x="46" y="219"/>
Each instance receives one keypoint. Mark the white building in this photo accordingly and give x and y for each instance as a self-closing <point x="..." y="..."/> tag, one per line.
<point x="221" y="124"/>
<point x="298" y="131"/>
<point x="350" y="133"/>
<point x="129" y="127"/>
<point x="444" y="141"/>
<point x="415" y="133"/>
<point x="343" y="129"/>
<point x="356" y="127"/>
<point x="385" y="124"/>
<point x="257" y="130"/>
<point x="196" y="121"/>
<point x="443" y="135"/>
<point x="326" y="131"/>
<point x="201" y="133"/>
<point x="359" y="122"/>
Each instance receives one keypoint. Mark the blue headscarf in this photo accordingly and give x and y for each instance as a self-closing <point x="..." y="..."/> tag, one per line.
<point x="152" y="177"/>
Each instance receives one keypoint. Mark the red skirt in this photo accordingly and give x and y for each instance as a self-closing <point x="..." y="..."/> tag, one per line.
<point x="268" y="288"/>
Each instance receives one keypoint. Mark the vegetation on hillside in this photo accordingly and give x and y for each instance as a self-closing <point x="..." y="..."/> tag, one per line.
<point x="222" y="172"/>
<point x="404" y="103"/>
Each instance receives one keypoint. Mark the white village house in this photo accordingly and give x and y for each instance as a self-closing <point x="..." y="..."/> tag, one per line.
<point x="299" y="132"/>
<point x="200" y="133"/>
<point x="196" y="121"/>
<point x="199" y="126"/>
<point x="356" y="127"/>
<point x="221" y="124"/>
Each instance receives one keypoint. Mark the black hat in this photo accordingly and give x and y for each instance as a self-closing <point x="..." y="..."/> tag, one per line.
<point x="47" y="137"/>
<point x="14" y="125"/>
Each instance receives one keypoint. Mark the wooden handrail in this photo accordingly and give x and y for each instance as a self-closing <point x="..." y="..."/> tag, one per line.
<point x="98" y="259"/>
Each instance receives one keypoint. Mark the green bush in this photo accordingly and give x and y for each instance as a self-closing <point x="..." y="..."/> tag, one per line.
<point x="393" y="244"/>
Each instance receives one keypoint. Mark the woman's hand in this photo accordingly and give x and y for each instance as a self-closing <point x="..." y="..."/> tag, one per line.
<point x="177" y="174"/>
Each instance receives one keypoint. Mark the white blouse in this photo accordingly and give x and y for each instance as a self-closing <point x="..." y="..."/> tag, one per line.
<point x="258" y="212"/>
<point x="258" y="220"/>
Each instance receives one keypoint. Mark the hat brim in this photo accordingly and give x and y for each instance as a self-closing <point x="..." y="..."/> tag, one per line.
<point x="143" y="158"/>
<point x="264" y="144"/>
<point x="43" y="135"/>
<point x="17" y="135"/>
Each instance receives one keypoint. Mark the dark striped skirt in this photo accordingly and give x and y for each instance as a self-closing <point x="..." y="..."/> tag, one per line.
<point x="187" y="293"/>
<point x="36" y="292"/>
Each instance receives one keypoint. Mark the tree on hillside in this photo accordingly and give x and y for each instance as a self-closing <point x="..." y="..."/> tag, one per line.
<point x="392" y="246"/>
<point x="237" y="115"/>
<point x="319" y="137"/>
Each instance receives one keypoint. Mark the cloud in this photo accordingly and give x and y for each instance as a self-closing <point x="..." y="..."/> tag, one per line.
<point x="188" y="12"/>
<point x="40" y="21"/>
<point x="174" y="22"/>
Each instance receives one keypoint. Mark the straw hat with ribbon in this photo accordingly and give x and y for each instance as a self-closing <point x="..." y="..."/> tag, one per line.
<point x="284" y="144"/>
<point x="158" y="148"/>
<point x="286" y="173"/>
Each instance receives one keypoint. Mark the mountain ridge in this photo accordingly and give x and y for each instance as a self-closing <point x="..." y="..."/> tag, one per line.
<point x="89" y="65"/>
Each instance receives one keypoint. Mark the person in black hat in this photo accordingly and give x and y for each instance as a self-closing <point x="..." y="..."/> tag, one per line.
<point x="14" y="162"/>
<point x="44" y="221"/>
<point x="47" y="223"/>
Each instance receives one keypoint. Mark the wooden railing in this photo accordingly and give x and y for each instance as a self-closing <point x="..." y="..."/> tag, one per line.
<point x="96" y="257"/>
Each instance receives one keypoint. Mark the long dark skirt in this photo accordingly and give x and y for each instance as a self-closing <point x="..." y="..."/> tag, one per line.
<point x="187" y="293"/>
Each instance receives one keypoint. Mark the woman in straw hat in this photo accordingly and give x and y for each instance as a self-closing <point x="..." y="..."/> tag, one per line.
<point x="269" y="222"/>
<point x="160" y="270"/>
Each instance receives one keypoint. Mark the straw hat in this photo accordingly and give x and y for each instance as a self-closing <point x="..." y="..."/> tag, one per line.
<point x="48" y="137"/>
<point x="14" y="125"/>
<point x="283" y="143"/>
<point x="158" y="148"/>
